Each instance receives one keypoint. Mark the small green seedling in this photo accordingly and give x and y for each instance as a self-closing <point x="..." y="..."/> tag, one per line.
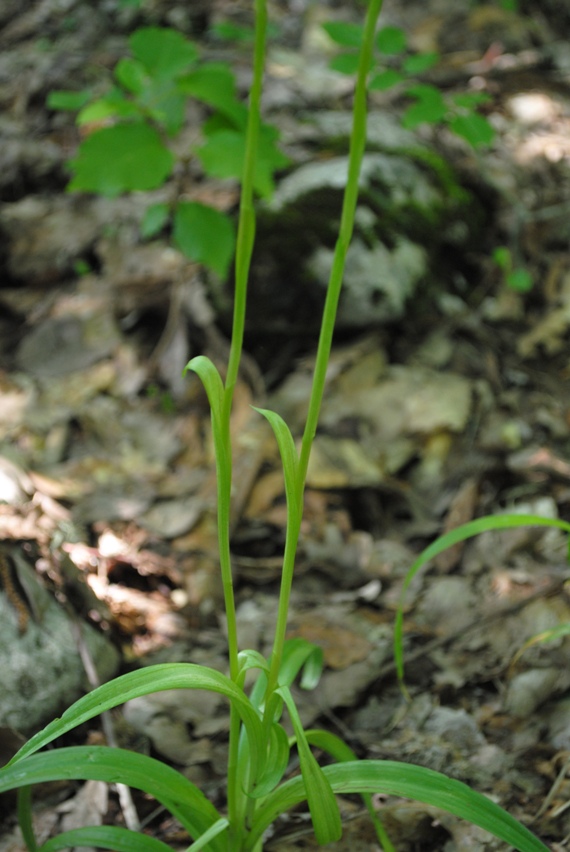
<point x="260" y="784"/>
<point x="394" y="65"/>
<point x="516" y="278"/>
<point x="129" y="131"/>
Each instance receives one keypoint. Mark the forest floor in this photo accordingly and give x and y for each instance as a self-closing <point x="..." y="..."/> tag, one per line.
<point x="459" y="407"/>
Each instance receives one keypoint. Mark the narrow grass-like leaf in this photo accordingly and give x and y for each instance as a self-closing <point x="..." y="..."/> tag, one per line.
<point x="210" y="834"/>
<point x="301" y="655"/>
<point x="112" y="765"/>
<point x="211" y="380"/>
<point x="289" y="458"/>
<point x="105" y="837"/>
<point x="461" y="533"/>
<point x="142" y="682"/>
<point x="250" y="659"/>
<point x="323" y="806"/>
<point x="25" y="818"/>
<point x="337" y="748"/>
<point x="277" y="761"/>
<point x="402" y="779"/>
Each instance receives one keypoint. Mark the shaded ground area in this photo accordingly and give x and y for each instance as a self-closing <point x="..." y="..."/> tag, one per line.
<point x="447" y="399"/>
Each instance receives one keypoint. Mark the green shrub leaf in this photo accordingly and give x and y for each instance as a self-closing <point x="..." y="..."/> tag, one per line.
<point x="344" y="33"/>
<point x="385" y="79"/>
<point x="503" y="258"/>
<point x="520" y="280"/>
<point x="214" y="84"/>
<point x="121" y="159"/>
<point x="468" y="100"/>
<point x="155" y="218"/>
<point x="69" y="101"/>
<point x="205" y="235"/>
<point x="163" y="52"/>
<point x="420" y="62"/>
<point x="165" y="104"/>
<point x="391" y="40"/>
<point x="474" y="128"/>
<point x="222" y="156"/>
<point x="131" y="74"/>
<point x="430" y="106"/>
<point x="113" y="105"/>
<point x="345" y="63"/>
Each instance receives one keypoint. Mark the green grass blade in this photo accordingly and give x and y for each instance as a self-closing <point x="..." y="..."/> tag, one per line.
<point x="117" y="766"/>
<point x="412" y="782"/>
<point x="465" y="531"/>
<point x="142" y="682"/>
<point x="105" y="837"/>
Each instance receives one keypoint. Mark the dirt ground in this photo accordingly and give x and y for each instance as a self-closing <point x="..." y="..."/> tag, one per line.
<point x="456" y="407"/>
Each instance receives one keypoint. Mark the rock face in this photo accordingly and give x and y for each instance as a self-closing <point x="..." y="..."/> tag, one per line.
<point x="42" y="673"/>
<point x="407" y="222"/>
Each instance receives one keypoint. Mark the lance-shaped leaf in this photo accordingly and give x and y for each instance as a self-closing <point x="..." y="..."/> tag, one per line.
<point x="301" y="655"/>
<point x="289" y="459"/>
<point x="401" y="779"/>
<point x="323" y="807"/>
<point x="105" y="837"/>
<point x="118" y="766"/>
<point x="142" y="682"/>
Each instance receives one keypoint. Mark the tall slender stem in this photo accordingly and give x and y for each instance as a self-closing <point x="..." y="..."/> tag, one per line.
<point x="246" y="225"/>
<point x="356" y="152"/>
<point x="244" y="249"/>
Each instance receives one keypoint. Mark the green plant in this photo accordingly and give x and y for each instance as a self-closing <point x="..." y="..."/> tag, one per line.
<point x="258" y="744"/>
<point x="129" y="128"/>
<point x="516" y="278"/>
<point x="393" y="65"/>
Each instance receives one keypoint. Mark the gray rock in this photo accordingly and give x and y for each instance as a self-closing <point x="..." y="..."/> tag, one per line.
<point x="42" y="673"/>
<point x="528" y="690"/>
<point x="403" y="217"/>
<point x="455" y="727"/>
